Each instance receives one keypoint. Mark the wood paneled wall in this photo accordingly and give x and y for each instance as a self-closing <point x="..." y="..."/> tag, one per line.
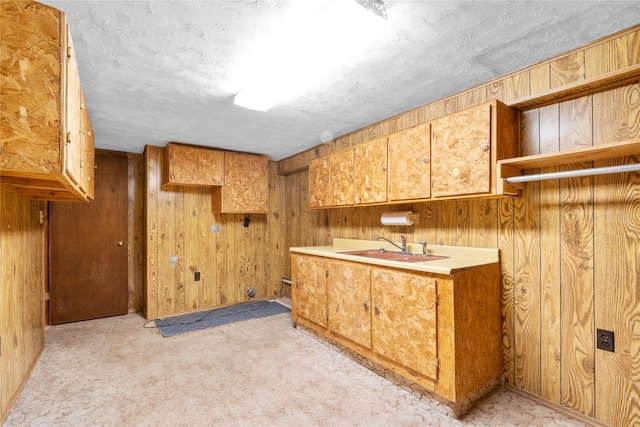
<point x="22" y="287"/>
<point x="230" y="262"/>
<point x="570" y="248"/>
<point x="136" y="231"/>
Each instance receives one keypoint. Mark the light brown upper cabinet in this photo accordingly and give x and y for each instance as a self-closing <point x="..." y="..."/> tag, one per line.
<point x="410" y="164"/>
<point x="192" y="166"/>
<point x="466" y="146"/>
<point x="341" y="178"/>
<point x="331" y="180"/>
<point x="371" y="172"/>
<point x="319" y="182"/>
<point x="46" y="153"/>
<point x="246" y="185"/>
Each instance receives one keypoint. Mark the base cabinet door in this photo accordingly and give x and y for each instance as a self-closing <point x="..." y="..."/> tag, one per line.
<point x="349" y="300"/>
<point x="404" y="319"/>
<point x="309" y="290"/>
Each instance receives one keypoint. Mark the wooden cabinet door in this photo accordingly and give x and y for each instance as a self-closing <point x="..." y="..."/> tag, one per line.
<point x="192" y="166"/>
<point x="341" y="178"/>
<point x="319" y="182"/>
<point x="309" y="290"/>
<point x="246" y="185"/>
<point x="349" y="301"/>
<point x="410" y="163"/>
<point x="404" y="319"/>
<point x="461" y="153"/>
<point x="371" y="172"/>
<point x="72" y="143"/>
<point x="87" y="162"/>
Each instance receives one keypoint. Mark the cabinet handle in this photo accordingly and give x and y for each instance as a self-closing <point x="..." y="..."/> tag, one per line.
<point x="81" y="164"/>
<point x="384" y="169"/>
<point x="484" y="147"/>
<point x="426" y="159"/>
<point x="365" y="306"/>
<point x="376" y="310"/>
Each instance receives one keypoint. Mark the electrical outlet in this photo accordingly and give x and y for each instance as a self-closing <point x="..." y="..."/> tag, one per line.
<point x="197" y="276"/>
<point x="605" y="340"/>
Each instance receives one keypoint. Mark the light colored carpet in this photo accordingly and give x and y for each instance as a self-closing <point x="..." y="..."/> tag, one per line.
<point x="260" y="372"/>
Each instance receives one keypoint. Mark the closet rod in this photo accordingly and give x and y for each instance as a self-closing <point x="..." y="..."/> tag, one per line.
<point x="574" y="173"/>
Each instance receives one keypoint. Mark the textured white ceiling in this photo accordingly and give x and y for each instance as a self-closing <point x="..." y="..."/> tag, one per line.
<point x="159" y="71"/>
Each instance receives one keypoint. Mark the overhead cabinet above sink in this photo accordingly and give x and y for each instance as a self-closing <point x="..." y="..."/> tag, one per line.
<point x="452" y="157"/>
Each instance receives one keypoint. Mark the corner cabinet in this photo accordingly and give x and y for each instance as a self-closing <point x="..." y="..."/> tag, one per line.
<point x="48" y="143"/>
<point x="440" y="331"/>
<point x="246" y="185"/>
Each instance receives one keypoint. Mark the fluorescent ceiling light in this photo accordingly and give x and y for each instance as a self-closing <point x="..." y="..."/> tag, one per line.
<point x="332" y="34"/>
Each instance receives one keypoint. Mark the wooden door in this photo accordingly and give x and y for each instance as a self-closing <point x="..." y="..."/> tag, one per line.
<point x="349" y="301"/>
<point x="371" y="171"/>
<point x="404" y="319"/>
<point x="410" y="163"/>
<point x="88" y="248"/>
<point x="73" y="115"/>
<point x="309" y="290"/>
<point x="461" y="153"/>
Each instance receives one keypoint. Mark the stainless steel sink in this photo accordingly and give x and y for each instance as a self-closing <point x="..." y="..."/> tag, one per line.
<point x="393" y="256"/>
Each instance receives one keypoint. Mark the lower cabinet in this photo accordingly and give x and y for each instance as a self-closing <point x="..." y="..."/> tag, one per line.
<point x="440" y="331"/>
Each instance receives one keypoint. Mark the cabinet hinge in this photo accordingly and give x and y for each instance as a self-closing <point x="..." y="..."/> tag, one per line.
<point x="68" y="137"/>
<point x="437" y="298"/>
<point x="68" y="52"/>
<point x="437" y="362"/>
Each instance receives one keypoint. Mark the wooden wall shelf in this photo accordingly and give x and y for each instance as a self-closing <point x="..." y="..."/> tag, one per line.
<point x="514" y="166"/>
<point x="575" y="90"/>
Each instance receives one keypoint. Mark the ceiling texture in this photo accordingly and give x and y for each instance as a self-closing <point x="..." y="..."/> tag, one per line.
<point x="160" y="71"/>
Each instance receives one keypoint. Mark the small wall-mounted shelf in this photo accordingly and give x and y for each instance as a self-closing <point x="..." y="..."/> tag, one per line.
<point x="575" y="90"/>
<point x="513" y="167"/>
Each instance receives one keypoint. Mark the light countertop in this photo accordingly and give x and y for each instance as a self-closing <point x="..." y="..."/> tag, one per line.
<point x="459" y="257"/>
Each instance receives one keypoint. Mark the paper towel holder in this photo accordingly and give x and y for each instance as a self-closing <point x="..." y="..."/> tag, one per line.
<point x="399" y="218"/>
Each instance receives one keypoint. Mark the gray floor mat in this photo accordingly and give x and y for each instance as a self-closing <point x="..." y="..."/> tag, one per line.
<point x="171" y="326"/>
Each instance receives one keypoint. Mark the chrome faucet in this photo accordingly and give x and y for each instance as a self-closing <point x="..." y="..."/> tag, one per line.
<point x="402" y="248"/>
<point x="424" y="248"/>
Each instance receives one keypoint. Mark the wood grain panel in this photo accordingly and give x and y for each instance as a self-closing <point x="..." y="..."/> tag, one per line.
<point x="152" y="170"/>
<point x="616" y="294"/>
<point x="22" y="284"/>
<point x="526" y="266"/>
<point x="516" y="86"/>
<point x="191" y="230"/>
<point x="166" y="246"/>
<point x="550" y="331"/>
<point x="576" y="269"/>
<point x="567" y="69"/>
<point x="506" y="243"/>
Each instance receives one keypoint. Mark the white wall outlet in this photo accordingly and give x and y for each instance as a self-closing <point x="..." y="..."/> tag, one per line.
<point x="215" y="228"/>
<point x="173" y="260"/>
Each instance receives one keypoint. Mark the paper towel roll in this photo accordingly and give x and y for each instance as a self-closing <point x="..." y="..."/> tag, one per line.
<point x="398" y="218"/>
